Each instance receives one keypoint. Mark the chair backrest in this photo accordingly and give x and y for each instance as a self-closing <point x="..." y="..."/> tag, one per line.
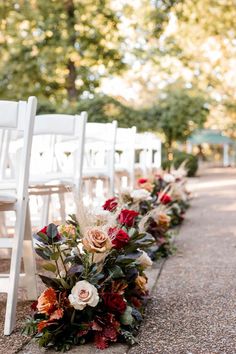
<point x="125" y="150"/>
<point x="100" y="150"/>
<point x="100" y="145"/>
<point x="63" y="135"/>
<point x="19" y="117"/>
<point x="148" y="147"/>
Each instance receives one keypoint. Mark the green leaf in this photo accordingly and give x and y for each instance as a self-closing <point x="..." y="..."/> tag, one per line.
<point x="55" y="256"/>
<point x="126" y="318"/>
<point x="50" y="267"/>
<point x="116" y="272"/>
<point x="42" y="253"/>
<point x="65" y="284"/>
<point x="128" y="258"/>
<point x="52" y="231"/>
<point x="50" y="282"/>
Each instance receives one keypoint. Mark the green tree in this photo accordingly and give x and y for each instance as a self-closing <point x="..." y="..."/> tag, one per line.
<point x="178" y="114"/>
<point x="57" y="50"/>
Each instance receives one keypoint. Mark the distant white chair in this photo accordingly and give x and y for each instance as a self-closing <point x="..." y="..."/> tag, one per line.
<point x="125" y="156"/>
<point x="99" y="157"/>
<point x="148" y="153"/>
<point x="18" y="116"/>
<point x="56" y="168"/>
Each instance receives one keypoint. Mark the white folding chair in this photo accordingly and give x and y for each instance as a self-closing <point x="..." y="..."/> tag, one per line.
<point x="148" y="153"/>
<point x="18" y="116"/>
<point x="99" y="158"/>
<point x="125" y="155"/>
<point x="57" y="157"/>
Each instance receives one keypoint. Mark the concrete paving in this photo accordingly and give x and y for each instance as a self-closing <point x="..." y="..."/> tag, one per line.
<point x="193" y="310"/>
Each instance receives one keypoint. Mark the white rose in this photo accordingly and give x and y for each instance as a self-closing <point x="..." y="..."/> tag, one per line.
<point x="168" y="178"/>
<point x="144" y="260"/>
<point x="83" y="294"/>
<point x="77" y="251"/>
<point x="140" y="194"/>
<point x="63" y="247"/>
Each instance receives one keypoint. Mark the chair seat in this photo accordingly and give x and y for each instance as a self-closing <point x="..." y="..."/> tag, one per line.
<point x="6" y="198"/>
<point x="94" y="173"/>
<point x="120" y="169"/>
<point x="50" y="180"/>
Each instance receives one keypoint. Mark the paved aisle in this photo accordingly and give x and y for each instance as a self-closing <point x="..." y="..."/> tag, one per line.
<point x="194" y="305"/>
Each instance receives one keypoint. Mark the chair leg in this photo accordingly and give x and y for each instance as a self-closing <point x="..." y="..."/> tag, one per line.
<point x="45" y="210"/>
<point x="62" y="206"/>
<point x="29" y="260"/>
<point x="3" y="229"/>
<point x="10" y="316"/>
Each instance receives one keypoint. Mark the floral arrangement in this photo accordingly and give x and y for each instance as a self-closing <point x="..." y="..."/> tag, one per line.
<point x="96" y="287"/>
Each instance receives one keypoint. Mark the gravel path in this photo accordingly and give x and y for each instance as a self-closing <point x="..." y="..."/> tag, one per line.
<point x="193" y="310"/>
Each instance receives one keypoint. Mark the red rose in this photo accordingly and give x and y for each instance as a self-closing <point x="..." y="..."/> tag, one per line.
<point x="44" y="230"/>
<point x="142" y="180"/>
<point x="110" y="204"/>
<point x="50" y="228"/>
<point x="165" y="198"/>
<point x="126" y="217"/>
<point x="114" y="302"/>
<point x="119" y="237"/>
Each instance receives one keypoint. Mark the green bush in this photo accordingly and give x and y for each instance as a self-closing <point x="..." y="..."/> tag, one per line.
<point x="179" y="158"/>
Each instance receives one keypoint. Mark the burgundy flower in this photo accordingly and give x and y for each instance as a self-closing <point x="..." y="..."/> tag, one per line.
<point x="120" y="238"/>
<point x="114" y="302"/>
<point x="165" y="198"/>
<point x="127" y="217"/>
<point x="106" y="330"/>
<point x="142" y="180"/>
<point x="110" y="204"/>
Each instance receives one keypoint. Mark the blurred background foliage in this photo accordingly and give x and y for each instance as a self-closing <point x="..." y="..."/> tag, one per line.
<point x="162" y="65"/>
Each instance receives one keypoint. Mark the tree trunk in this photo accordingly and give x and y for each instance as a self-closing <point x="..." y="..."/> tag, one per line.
<point x="70" y="82"/>
<point x="169" y="154"/>
<point x="71" y="77"/>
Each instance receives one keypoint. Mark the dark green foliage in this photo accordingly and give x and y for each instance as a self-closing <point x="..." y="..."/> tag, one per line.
<point x="191" y="164"/>
<point x="178" y="113"/>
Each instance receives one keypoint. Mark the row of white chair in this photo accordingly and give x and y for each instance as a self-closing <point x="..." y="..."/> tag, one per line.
<point x="51" y="154"/>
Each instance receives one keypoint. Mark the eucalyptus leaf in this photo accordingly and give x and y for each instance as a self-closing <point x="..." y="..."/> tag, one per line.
<point x="126" y="318"/>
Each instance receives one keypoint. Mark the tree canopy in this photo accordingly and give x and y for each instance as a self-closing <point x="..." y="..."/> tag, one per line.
<point x="57" y="50"/>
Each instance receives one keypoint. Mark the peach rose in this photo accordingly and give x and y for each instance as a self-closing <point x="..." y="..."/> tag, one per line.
<point x="144" y="260"/>
<point x="83" y="294"/>
<point x="163" y="220"/>
<point x="96" y="240"/>
<point x="141" y="283"/>
<point x="148" y="186"/>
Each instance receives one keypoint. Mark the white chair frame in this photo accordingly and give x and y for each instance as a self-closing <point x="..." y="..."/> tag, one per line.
<point x="57" y="181"/>
<point x="100" y="139"/>
<point x="125" y="159"/>
<point x="18" y="116"/>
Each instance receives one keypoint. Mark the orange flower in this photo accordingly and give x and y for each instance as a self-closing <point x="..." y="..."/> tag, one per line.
<point x="47" y="301"/>
<point x="119" y="287"/>
<point x="163" y="220"/>
<point x="56" y="315"/>
<point x="141" y="283"/>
